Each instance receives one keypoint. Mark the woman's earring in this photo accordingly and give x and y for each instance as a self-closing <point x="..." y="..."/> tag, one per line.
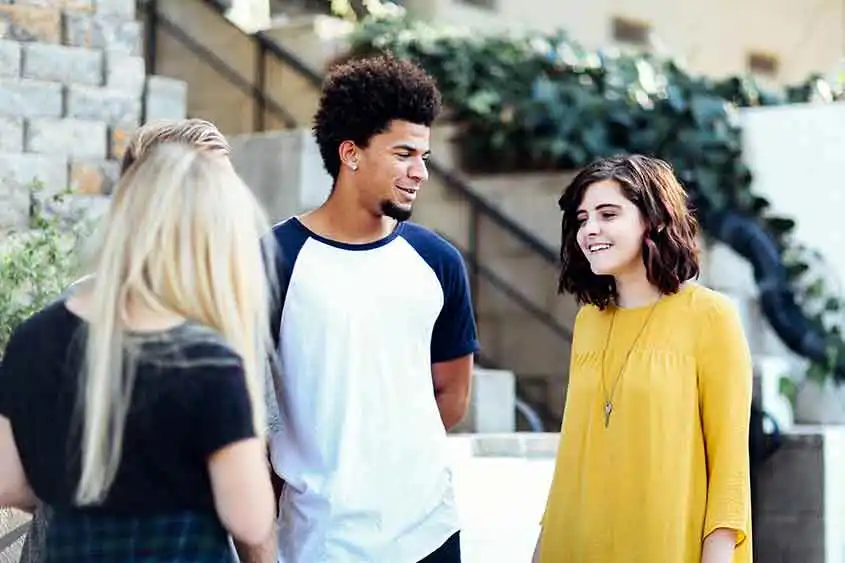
<point x="353" y="164"/>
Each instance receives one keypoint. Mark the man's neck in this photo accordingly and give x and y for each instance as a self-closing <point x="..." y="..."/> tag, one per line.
<point x="346" y="221"/>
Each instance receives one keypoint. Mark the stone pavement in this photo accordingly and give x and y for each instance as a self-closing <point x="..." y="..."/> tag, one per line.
<point x="501" y="494"/>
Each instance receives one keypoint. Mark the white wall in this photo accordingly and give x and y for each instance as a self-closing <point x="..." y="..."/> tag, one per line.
<point x="796" y="154"/>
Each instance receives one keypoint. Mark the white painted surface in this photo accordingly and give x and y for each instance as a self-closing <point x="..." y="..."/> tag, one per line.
<point x="500" y="501"/>
<point x="795" y="153"/>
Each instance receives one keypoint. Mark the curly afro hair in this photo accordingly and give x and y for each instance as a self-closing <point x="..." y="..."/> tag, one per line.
<point x="361" y="97"/>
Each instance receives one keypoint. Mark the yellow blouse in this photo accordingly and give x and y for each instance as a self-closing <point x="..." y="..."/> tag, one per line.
<point x="672" y="464"/>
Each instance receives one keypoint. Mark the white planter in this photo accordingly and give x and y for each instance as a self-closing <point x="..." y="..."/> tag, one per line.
<point x="817" y="403"/>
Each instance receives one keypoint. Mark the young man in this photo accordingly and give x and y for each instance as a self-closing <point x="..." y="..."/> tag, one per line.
<point x="376" y="337"/>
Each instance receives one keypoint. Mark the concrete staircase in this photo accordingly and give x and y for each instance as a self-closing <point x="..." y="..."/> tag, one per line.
<point x="72" y="88"/>
<point x="251" y="85"/>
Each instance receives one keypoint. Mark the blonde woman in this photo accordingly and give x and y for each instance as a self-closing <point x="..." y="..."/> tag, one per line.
<point x="134" y="407"/>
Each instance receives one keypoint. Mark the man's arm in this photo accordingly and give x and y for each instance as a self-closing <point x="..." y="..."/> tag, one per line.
<point x="452" y="383"/>
<point x="454" y="342"/>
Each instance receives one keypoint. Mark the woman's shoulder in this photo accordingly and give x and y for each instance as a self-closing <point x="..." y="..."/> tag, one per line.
<point x="703" y="301"/>
<point x="46" y="324"/>
<point x="693" y="304"/>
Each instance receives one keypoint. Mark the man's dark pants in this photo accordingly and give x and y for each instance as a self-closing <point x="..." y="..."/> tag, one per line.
<point x="449" y="552"/>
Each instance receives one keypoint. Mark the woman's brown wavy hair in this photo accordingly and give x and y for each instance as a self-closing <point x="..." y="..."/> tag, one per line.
<point x="670" y="248"/>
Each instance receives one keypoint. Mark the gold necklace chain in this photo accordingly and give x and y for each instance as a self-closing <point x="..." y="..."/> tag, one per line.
<point x="608" y="399"/>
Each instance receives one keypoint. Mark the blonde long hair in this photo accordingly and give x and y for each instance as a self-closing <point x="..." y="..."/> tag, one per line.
<point x="182" y="235"/>
<point x="197" y="133"/>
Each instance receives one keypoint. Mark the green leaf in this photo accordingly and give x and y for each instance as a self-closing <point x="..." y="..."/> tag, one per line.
<point x="817" y="372"/>
<point x="780" y="225"/>
<point x="796" y="269"/>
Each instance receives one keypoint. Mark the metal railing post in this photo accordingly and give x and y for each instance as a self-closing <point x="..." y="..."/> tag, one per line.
<point x="260" y="84"/>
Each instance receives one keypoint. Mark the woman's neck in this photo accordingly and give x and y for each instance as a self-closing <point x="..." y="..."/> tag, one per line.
<point x="635" y="291"/>
<point x="139" y="316"/>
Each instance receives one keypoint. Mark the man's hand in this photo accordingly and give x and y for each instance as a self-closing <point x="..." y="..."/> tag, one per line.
<point x="452" y="380"/>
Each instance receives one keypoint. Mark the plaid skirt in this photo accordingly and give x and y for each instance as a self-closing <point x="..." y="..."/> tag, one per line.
<point x="182" y="537"/>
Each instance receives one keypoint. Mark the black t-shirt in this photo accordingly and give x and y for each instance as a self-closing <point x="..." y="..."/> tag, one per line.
<point x="189" y="400"/>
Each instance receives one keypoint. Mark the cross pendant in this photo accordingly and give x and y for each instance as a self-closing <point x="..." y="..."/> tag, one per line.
<point x="608" y="409"/>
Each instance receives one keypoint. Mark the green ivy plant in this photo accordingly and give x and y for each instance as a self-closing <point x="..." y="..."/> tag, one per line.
<point x="535" y="101"/>
<point x="37" y="264"/>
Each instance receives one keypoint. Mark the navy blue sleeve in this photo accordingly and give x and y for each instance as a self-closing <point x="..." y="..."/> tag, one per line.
<point x="287" y="240"/>
<point x="455" y="334"/>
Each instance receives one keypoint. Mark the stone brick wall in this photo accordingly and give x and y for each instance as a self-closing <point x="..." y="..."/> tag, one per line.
<point x="73" y="87"/>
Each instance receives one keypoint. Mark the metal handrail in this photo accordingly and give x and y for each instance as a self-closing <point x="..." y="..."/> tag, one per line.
<point x="450" y="179"/>
<point x="529" y="413"/>
<point x="535" y="423"/>
<point x="516" y="295"/>
<point x="219" y="65"/>
<point x="479" y="206"/>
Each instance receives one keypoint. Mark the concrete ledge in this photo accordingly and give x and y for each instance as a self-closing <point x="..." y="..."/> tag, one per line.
<point x="492" y="405"/>
<point x="527" y="445"/>
<point x="800" y="515"/>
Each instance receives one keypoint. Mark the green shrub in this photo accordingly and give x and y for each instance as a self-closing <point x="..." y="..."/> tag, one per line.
<point x="39" y="263"/>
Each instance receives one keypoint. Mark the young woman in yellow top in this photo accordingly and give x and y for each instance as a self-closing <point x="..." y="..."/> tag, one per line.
<point x="652" y="465"/>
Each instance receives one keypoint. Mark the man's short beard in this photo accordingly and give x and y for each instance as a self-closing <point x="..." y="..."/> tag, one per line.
<point x="394" y="211"/>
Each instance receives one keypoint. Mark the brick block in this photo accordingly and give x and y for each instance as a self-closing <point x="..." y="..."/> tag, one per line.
<point x="11" y="134"/>
<point x="17" y="173"/>
<point x="124" y="8"/>
<point x="126" y="73"/>
<point x="30" y="98"/>
<point x="119" y="137"/>
<point x="103" y="104"/>
<point x="30" y="23"/>
<point x="166" y="98"/>
<point x="109" y="32"/>
<point x="94" y="177"/>
<point x="63" y="64"/>
<point x="10" y="59"/>
<point x="71" y="137"/>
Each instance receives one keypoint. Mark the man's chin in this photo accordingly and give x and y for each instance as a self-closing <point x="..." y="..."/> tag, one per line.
<point x="394" y="211"/>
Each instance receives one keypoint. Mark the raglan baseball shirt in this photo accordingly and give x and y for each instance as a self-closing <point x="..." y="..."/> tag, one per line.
<point x="361" y="445"/>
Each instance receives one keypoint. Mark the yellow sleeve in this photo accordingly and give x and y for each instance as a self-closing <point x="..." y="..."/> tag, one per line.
<point x="575" y="332"/>
<point x="725" y="384"/>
